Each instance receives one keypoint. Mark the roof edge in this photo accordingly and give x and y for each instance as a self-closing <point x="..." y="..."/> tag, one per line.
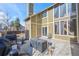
<point x="54" y="5"/>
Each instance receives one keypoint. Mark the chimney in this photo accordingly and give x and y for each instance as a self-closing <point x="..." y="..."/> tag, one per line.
<point x="30" y="9"/>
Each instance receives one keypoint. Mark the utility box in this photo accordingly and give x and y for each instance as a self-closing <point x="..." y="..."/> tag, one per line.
<point x="34" y="43"/>
<point x="41" y="45"/>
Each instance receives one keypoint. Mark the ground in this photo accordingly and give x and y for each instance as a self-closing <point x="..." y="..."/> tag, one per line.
<point x="75" y="49"/>
<point x="62" y="48"/>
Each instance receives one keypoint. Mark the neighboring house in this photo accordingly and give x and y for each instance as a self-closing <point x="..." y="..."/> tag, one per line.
<point x="1" y="30"/>
<point x="1" y="33"/>
<point x="22" y="28"/>
<point x="20" y="33"/>
<point x="60" y="20"/>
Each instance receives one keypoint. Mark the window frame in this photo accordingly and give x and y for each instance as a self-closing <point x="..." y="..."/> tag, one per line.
<point x="71" y="13"/>
<point x="58" y="27"/>
<point x="43" y="31"/>
<point x="55" y="9"/>
<point x="64" y="22"/>
<point x="73" y="8"/>
<point x="62" y="8"/>
<point x="68" y="26"/>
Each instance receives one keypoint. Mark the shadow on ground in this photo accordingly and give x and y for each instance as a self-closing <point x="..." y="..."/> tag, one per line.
<point x="74" y="48"/>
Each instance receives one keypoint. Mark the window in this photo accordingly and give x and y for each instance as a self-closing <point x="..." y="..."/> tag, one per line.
<point x="56" y="27"/>
<point x="56" y="12"/>
<point x="63" y="28"/>
<point x="73" y="7"/>
<point x="44" y="14"/>
<point x="69" y="8"/>
<point x="62" y="10"/>
<point x="72" y="27"/>
<point x="44" y="31"/>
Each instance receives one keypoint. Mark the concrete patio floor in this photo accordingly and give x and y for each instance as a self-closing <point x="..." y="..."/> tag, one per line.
<point x="75" y="49"/>
<point x="62" y="48"/>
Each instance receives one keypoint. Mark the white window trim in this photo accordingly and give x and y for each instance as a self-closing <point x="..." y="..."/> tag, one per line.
<point x="63" y="24"/>
<point x="59" y="11"/>
<point x="68" y="14"/>
<point x="77" y="22"/>
<point x="60" y="27"/>
<point x="41" y="32"/>
<point x="73" y="13"/>
<point x="44" y="17"/>
<point x="67" y="9"/>
<point x="54" y="25"/>
<point x="59" y="21"/>
<point x="47" y="24"/>
<point x="30" y="30"/>
<point x="44" y="30"/>
<point x="67" y="26"/>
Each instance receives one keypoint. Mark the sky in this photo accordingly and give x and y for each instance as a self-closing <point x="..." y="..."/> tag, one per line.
<point x="19" y="10"/>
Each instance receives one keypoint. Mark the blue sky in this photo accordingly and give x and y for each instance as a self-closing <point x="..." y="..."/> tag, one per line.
<point x="20" y="9"/>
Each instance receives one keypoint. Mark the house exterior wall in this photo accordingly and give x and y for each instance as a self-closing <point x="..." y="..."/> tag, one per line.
<point x="33" y="27"/>
<point x="33" y="30"/>
<point x="67" y="36"/>
<point x="44" y="20"/>
<point x="28" y="29"/>
<point x="38" y="22"/>
<point x="39" y="30"/>
<point x="78" y="23"/>
<point x="50" y="22"/>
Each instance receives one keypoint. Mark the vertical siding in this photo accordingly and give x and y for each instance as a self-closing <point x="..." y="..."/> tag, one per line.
<point x="44" y="20"/>
<point x="33" y="30"/>
<point x="50" y="28"/>
<point x="33" y="27"/>
<point x="28" y="29"/>
<point x="50" y="22"/>
<point x="39" y="19"/>
<point x="38" y="30"/>
<point x="39" y="22"/>
<point x="50" y="15"/>
<point x="27" y="25"/>
<point x="33" y="19"/>
<point x="78" y="25"/>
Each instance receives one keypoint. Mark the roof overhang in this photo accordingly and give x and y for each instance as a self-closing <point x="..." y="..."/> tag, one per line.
<point x="53" y="6"/>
